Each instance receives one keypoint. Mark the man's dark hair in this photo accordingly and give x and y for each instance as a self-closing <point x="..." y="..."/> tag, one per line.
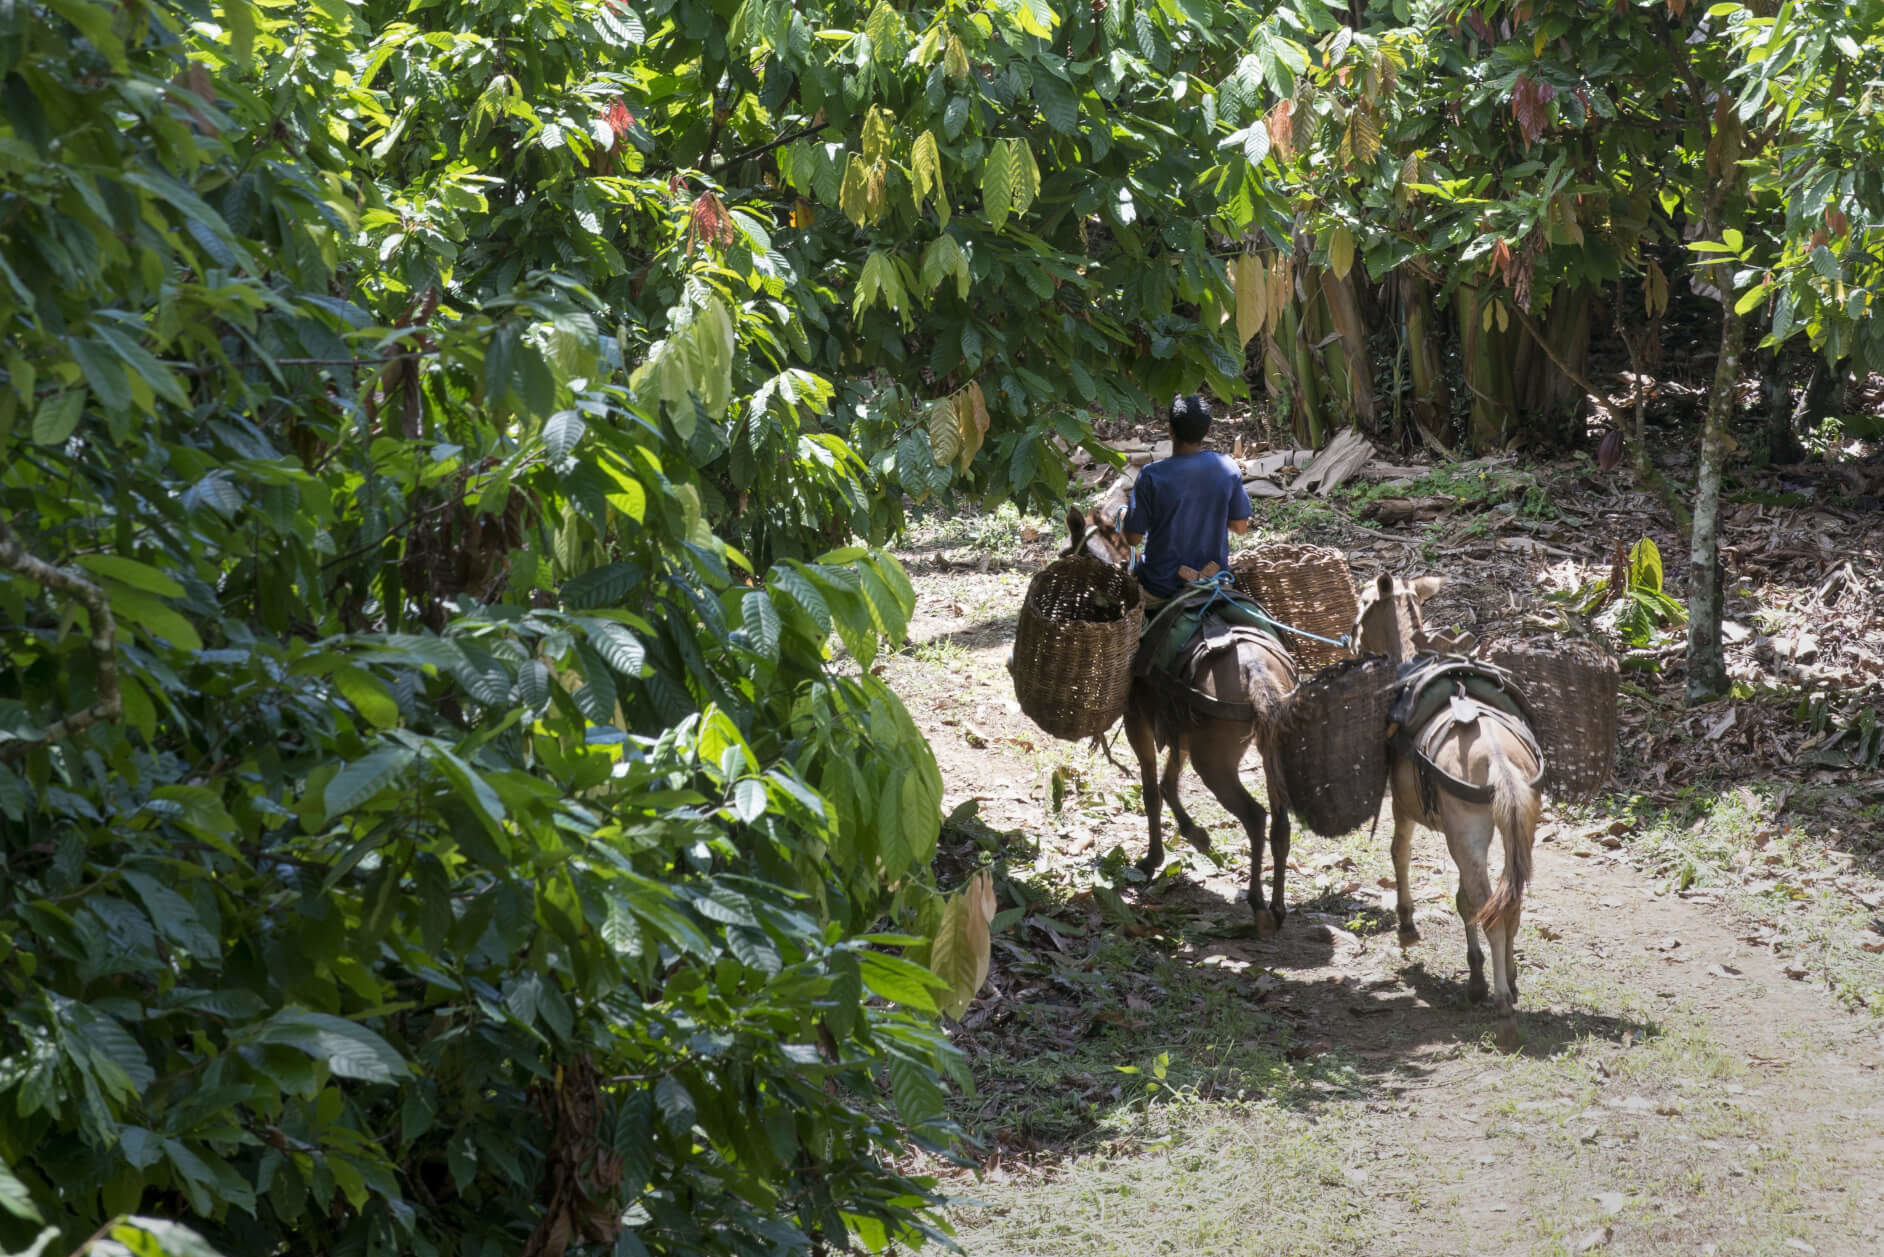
<point x="1190" y="419"/>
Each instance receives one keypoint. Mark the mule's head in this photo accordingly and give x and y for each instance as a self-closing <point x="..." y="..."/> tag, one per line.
<point x="1389" y="622"/>
<point x="1097" y="536"/>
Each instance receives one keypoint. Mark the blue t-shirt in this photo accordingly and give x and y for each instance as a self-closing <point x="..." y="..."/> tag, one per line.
<point x="1183" y="506"/>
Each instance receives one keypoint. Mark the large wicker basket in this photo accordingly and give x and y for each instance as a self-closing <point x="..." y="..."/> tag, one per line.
<point x="1306" y="587"/>
<point x="1333" y="744"/>
<point x="1072" y="661"/>
<point x="1571" y="690"/>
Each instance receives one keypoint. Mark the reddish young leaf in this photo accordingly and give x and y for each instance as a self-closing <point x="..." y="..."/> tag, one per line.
<point x="1530" y="105"/>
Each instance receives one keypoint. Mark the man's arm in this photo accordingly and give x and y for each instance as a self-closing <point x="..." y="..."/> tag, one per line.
<point x="1137" y="514"/>
<point x="1239" y="502"/>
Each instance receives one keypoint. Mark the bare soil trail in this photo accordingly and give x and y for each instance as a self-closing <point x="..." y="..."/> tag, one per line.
<point x="1703" y="1059"/>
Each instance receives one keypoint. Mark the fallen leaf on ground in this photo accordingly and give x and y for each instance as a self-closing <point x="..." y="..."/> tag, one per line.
<point x="1594" y="1240"/>
<point x="1608" y="1202"/>
<point x="1723" y="971"/>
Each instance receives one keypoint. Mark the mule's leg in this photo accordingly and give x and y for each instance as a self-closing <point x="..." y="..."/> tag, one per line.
<point x="1218" y="754"/>
<point x="1402" y="870"/>
<point x="1511" y="952"/>
<point x="1138" y="733"/>
<point x="1191" y="832"/>
<point x="1279" y="852"/>
<point x="1469" y="835"/>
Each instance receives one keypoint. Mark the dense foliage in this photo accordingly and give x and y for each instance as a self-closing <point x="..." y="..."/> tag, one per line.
<point x="434" y="814"/>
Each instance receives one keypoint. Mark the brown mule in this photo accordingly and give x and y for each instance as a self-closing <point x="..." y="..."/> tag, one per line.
<point x="1248" y="674"/>
<point x="1485" y="753"/>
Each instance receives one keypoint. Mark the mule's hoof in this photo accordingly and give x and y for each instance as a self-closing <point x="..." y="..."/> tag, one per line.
<point x="1198" y="837"/>
<point x="1266" y="924"/>
<point x="1147" y="866"/>
<point x="1509" y="1040"/>
<point x="1409" y="935"/>
<point x="1476" y="991"/>
<point x="1278" y="910"/>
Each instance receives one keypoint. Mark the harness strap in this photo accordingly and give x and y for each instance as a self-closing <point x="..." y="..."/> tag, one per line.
<point x="1432" y="778"/>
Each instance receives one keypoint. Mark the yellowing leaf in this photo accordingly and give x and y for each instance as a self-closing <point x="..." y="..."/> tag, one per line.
<point x="850" y="198"/>
<point x="960" y="953"/>
<point x="999" y="174"/>
<point x="954" y="59"/>
<point x="1341" y="252"/>
<point x="927" y="163"/>
<point x="971" y="411"/>
<point x="1252" y="296"/>
<point x="945" y="434"/>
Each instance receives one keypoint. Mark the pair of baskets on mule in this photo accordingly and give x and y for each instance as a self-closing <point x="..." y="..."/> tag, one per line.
<point x="1334" y="749"/>
<point x="1080" y="624"/>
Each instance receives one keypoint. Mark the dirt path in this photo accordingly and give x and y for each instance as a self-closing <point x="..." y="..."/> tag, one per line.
<point x="1155" y="1079"/>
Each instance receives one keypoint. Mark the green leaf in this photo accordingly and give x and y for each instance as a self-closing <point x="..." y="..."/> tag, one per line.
<point x="131" y="572"/>
<point x="368" y="694"/>
<point x="349" y="1049"/>
<point x="562" y="432"/>
<point x="762" y="623"/>
<point x="14" y="1197"/>
<point x="153" y="617"/>
<point x="898" y="980"/>
<point x="615" y="644"/>
<point x="1645" y="566"/>
<point x="57" y="416"/>
<point x="175" y="919"/>
<point x="801" y="591"/>
<point x="913" y="1086"/>
<point x="1000" y="173"/>
<point x="365" y="778"/>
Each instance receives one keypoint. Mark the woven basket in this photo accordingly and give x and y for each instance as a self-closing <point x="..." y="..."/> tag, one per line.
<point x="1306" y="587"/>
<point x="1072" y="660"/>
<point x="1333" y="744"/>
<point x="1571" y="689"/>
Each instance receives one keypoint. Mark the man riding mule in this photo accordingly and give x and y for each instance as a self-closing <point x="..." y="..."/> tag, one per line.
<point x="1465" y="762"/>
<point x="1210" y="676"/>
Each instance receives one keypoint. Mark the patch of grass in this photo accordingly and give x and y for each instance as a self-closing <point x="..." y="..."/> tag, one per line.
<point x="1785" y="870"/>
<point x="1001" y="531"/>
<point x="1467" y="485"/>
<point x="1204" y="1178"/>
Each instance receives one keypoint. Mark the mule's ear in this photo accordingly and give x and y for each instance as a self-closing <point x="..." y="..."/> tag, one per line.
<point x="1385" y="585"/>
<point x="1426" y="586"/>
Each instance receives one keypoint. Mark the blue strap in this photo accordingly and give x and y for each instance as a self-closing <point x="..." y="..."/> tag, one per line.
<point x="1222" y="582"/>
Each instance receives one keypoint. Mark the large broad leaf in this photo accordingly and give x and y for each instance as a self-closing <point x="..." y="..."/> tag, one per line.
<point x="365" y="777"/>
<point x="897" y="979"/>
<point x="14" y="1197"/>
<point x="960" y="953"/>
<point x="1341" y="252"/>
<point x="349" y="1049"/>
<point x="762" y="623"/>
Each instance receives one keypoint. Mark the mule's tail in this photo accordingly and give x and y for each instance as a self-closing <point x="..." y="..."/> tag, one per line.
<point x="1515" y="807"/>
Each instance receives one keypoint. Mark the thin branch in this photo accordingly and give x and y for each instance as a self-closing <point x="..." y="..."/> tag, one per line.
<point x="110" y="704"/>
<point x="244" y="363"/>
<point x="1550" y="351"/>
<point x="760" y="150"/>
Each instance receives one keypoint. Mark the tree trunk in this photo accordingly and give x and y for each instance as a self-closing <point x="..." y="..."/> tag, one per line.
<point x="1821" y="394"/>
<point x="1432" y="403"/>
<point x="1307" y="416"/>
<point x="1488" y="352"/>
<point x="1707" y="669"/>
<point x="1352" y="369"/>
<point x="1549" y="401"/>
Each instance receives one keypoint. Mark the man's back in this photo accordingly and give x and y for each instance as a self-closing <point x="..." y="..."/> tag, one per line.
<point x="1183" y="507"/>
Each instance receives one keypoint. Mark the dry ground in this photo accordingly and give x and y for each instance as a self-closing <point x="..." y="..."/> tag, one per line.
<point x="1703" y="1069"/>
